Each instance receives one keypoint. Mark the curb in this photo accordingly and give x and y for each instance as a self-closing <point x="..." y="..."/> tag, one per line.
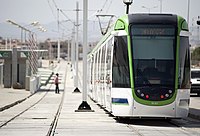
<point x="13" y="104"/>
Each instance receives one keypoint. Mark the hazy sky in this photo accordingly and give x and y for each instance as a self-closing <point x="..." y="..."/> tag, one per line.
<point x="45" y="11"/>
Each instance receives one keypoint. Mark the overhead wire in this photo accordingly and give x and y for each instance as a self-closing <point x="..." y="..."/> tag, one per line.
<point x="51" y="9"/>
<point x="104" y="5"/>
<point x="99" y="11"/>
<point x="61" y="11"/>
<point x="55" y="4"/>
<point x="67" y="16"/>
<point x="109" y="6"/>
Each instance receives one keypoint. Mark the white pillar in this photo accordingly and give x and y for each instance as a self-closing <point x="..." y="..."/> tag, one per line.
<point x="10" y="43"/>
<point x="84" y="105"/>
<point x="85" y="33"/>
<point x="6" y="47"/>
<point x="73" y="54"/>
<point x="160" y="6"/>
<point x="58" y="57"/>
<point x="76" y="76"/>
<point x="68" y="47"/>
<point x="188" y="12"/>
<point x="58" y="50"/>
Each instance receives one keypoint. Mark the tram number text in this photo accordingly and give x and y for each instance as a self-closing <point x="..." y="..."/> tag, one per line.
<point x="154" y="103"/>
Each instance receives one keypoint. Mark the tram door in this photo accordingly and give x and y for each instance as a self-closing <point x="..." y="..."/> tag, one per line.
<point x="108" y="73"/>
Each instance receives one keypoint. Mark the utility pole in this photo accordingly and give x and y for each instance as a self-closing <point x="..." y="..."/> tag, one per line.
<point x="73" y="52"/>
<point x="68" y="48"/>
<point x="84" y="106"/>
<point x="6" y="43"/>
<point x="58" y="49"/>
<point x="77" y="51"/>
<point x="188" y="12"/>
<point x="160" y="6"/>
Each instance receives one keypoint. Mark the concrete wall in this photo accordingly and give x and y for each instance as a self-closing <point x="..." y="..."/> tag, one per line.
<point x="14" y="69"/>
<point x="22" y="72"/>
<point x="34" y="84"/>
<point x="14" y="66"/>
<point x="1" y="75"/>
<point x="7" y="74"/>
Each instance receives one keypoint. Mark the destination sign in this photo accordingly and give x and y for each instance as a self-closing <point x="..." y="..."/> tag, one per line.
<point x="152" y="30"/>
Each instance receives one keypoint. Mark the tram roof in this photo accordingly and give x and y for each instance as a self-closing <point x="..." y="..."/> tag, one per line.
<point x="152" y="18"/>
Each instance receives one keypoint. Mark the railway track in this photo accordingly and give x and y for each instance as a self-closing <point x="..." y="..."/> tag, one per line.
<point x="17" y="115"/>
<point x="39" y="112"/>
<point x="52" y="128"/>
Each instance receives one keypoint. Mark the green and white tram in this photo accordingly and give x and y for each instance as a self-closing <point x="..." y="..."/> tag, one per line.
<point x="141" y="68"/>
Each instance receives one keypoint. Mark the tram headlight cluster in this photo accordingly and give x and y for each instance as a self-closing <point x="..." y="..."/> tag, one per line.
<point x="158" y="94"/>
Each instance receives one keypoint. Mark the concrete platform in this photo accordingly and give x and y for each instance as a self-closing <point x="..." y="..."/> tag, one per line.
<point x="70" y="123"/>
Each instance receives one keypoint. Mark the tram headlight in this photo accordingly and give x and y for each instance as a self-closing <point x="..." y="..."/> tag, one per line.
<point x="138" y="91"/>
<point x="166" y="95"/>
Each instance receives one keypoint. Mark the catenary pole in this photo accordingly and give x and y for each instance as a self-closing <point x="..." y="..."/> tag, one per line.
<point x="68" y="48"/>
<point x="188" y="12"/>
<point x="58" y="50"/>
<point x="85" y="17"/>
<point x="77" y="52"/>
<point x="84" y="105"/>
<point x="73" y="53"/>
<point x="160" y="6"/>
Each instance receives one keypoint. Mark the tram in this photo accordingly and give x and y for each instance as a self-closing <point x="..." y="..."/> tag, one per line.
<point x="141" y="67"/>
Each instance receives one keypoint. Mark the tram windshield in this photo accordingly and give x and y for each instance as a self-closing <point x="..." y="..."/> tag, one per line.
<point x="153" y="49"/>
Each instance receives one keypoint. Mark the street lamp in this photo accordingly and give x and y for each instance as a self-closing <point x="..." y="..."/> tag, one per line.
<point x="127" y="2"/>
<point x="34" y="23"/>
<point x="149" y="9"/>
<point x="22" y="27"/>
<point x="32" y="42"/>
<point x="42" y="29"/>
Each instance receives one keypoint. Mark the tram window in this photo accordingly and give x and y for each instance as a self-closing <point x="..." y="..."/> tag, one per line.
<point x="184" y="63"/>
<point x="154" y="60"/>
<point x="120" y="74"/>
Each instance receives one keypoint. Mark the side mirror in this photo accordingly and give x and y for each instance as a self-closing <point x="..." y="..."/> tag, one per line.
<point x="198" y="22"/>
